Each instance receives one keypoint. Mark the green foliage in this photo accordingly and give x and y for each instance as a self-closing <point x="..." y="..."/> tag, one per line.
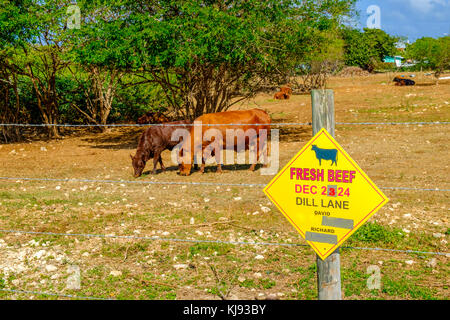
<point x="209" y="249"/>
<point x="203" y="54"/>
<point x="16" y="27"/>
<point x="430" y="53"/>
<point x="354" y="281"/>
<point x="404" y="288"/>
<point x="259" y="284"/>
<point x="307" y="285"/>
<point x="187" y="57"/>
<point x="133" y="101"/>
<point x="375" y="233"/>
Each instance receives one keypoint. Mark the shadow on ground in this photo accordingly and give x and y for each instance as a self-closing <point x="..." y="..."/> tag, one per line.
<point x="212" y="168"/>
<point x="115" y="139"/>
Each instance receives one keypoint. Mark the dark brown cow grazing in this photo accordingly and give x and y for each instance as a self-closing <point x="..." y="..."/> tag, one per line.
<point x="153" y="117"/>
<point x="152" y="143"/>
<point x="247" y="118"/>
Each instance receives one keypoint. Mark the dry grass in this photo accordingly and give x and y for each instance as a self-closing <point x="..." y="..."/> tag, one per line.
<point x="409" y="156"/>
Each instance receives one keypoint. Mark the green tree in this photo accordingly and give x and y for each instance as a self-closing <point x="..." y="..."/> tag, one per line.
<point x="432" y="54"/>
<point x="15" y="30"/>
<point x="36" y="49"/>
<point x="366" y="49"/>
<point x="205" y="55"/>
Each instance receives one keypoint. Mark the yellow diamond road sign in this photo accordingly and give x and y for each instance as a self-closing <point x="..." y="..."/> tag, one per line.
<point x="324" y="194"/>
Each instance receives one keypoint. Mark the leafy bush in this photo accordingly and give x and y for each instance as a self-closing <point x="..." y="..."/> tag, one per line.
<point x="374" y="232"/>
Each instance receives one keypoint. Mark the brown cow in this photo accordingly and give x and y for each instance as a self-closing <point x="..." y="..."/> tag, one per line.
<point x="281" y="96"/>
<point x="246" y="118"/>
<point x="403" y="82"/>
<point x="286" y="90"/>
<point x="152" y="117"/>
<point x="152" y="143"/>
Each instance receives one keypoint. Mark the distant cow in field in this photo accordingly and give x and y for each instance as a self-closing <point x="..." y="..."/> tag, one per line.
<point x="284" y="93"/>
<point x="241" y="122"/>
<point x="152" y="143"/>
<point x="153" y="117"/>
<point x="281" y="96"/>
<point x="403" y="82"/>
<point x="325" y="154"/>
<point x="286" y="90"/>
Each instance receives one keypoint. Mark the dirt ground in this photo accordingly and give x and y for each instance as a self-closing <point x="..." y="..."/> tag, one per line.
<point x="414" y="156"/>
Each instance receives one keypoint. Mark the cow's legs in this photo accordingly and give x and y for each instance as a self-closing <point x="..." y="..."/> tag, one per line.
<point x="217" y="156"/>
<point x="155" y="162"/>
<point x="163" y="168"/>
<point x="202" y="167"/>
<point x="255" y="145"/>
<point x="156" y="158"/>
<point x="266" y="153"/>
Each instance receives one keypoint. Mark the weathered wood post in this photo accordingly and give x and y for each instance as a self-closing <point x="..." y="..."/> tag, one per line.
<point x="328" y="270"/>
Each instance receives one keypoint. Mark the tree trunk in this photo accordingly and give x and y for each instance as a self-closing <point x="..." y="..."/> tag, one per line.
<point x="47" y="102"/>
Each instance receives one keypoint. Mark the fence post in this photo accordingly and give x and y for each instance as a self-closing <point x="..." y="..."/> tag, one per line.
<point x="328" y="270"/>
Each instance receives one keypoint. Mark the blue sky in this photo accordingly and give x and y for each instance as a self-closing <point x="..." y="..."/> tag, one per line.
<point x="411" y="18"/>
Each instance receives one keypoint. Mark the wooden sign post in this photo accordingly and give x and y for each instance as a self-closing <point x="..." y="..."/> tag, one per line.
<point x="328" y="270"/>
<point x="325" y="195"/>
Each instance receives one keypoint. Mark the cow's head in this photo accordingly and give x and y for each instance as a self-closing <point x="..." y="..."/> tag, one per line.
<point x="314" y="148"/>
<point x="138" y="165"/>
<point x="184" y="164"/>
<point x="185" y="169"/>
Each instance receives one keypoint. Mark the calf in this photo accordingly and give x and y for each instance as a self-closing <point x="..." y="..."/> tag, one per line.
<point x="325" y="154"/>
<point x="152" y="143"/>
<point x="286" y="90"/>
<point x="240" y="122"/>
<point x="281" y="96"/>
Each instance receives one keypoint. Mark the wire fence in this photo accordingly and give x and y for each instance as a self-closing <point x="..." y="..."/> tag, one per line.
<point x="186" y="183"/>
<point x="52" y="294"/>
<point x="156" y="238"/>
<point x="278" y="124"/>
<point x="235" y="243"/>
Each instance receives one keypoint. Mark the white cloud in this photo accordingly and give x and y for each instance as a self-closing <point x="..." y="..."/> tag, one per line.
<point x="426" y="6"/>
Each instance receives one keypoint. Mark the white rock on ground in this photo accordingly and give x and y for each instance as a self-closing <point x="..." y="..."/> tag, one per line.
<point x="180" y="266"/>
<point x="50" y="268"/>
<point x="432" y="263"/>
<point x="115" y="273"/>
